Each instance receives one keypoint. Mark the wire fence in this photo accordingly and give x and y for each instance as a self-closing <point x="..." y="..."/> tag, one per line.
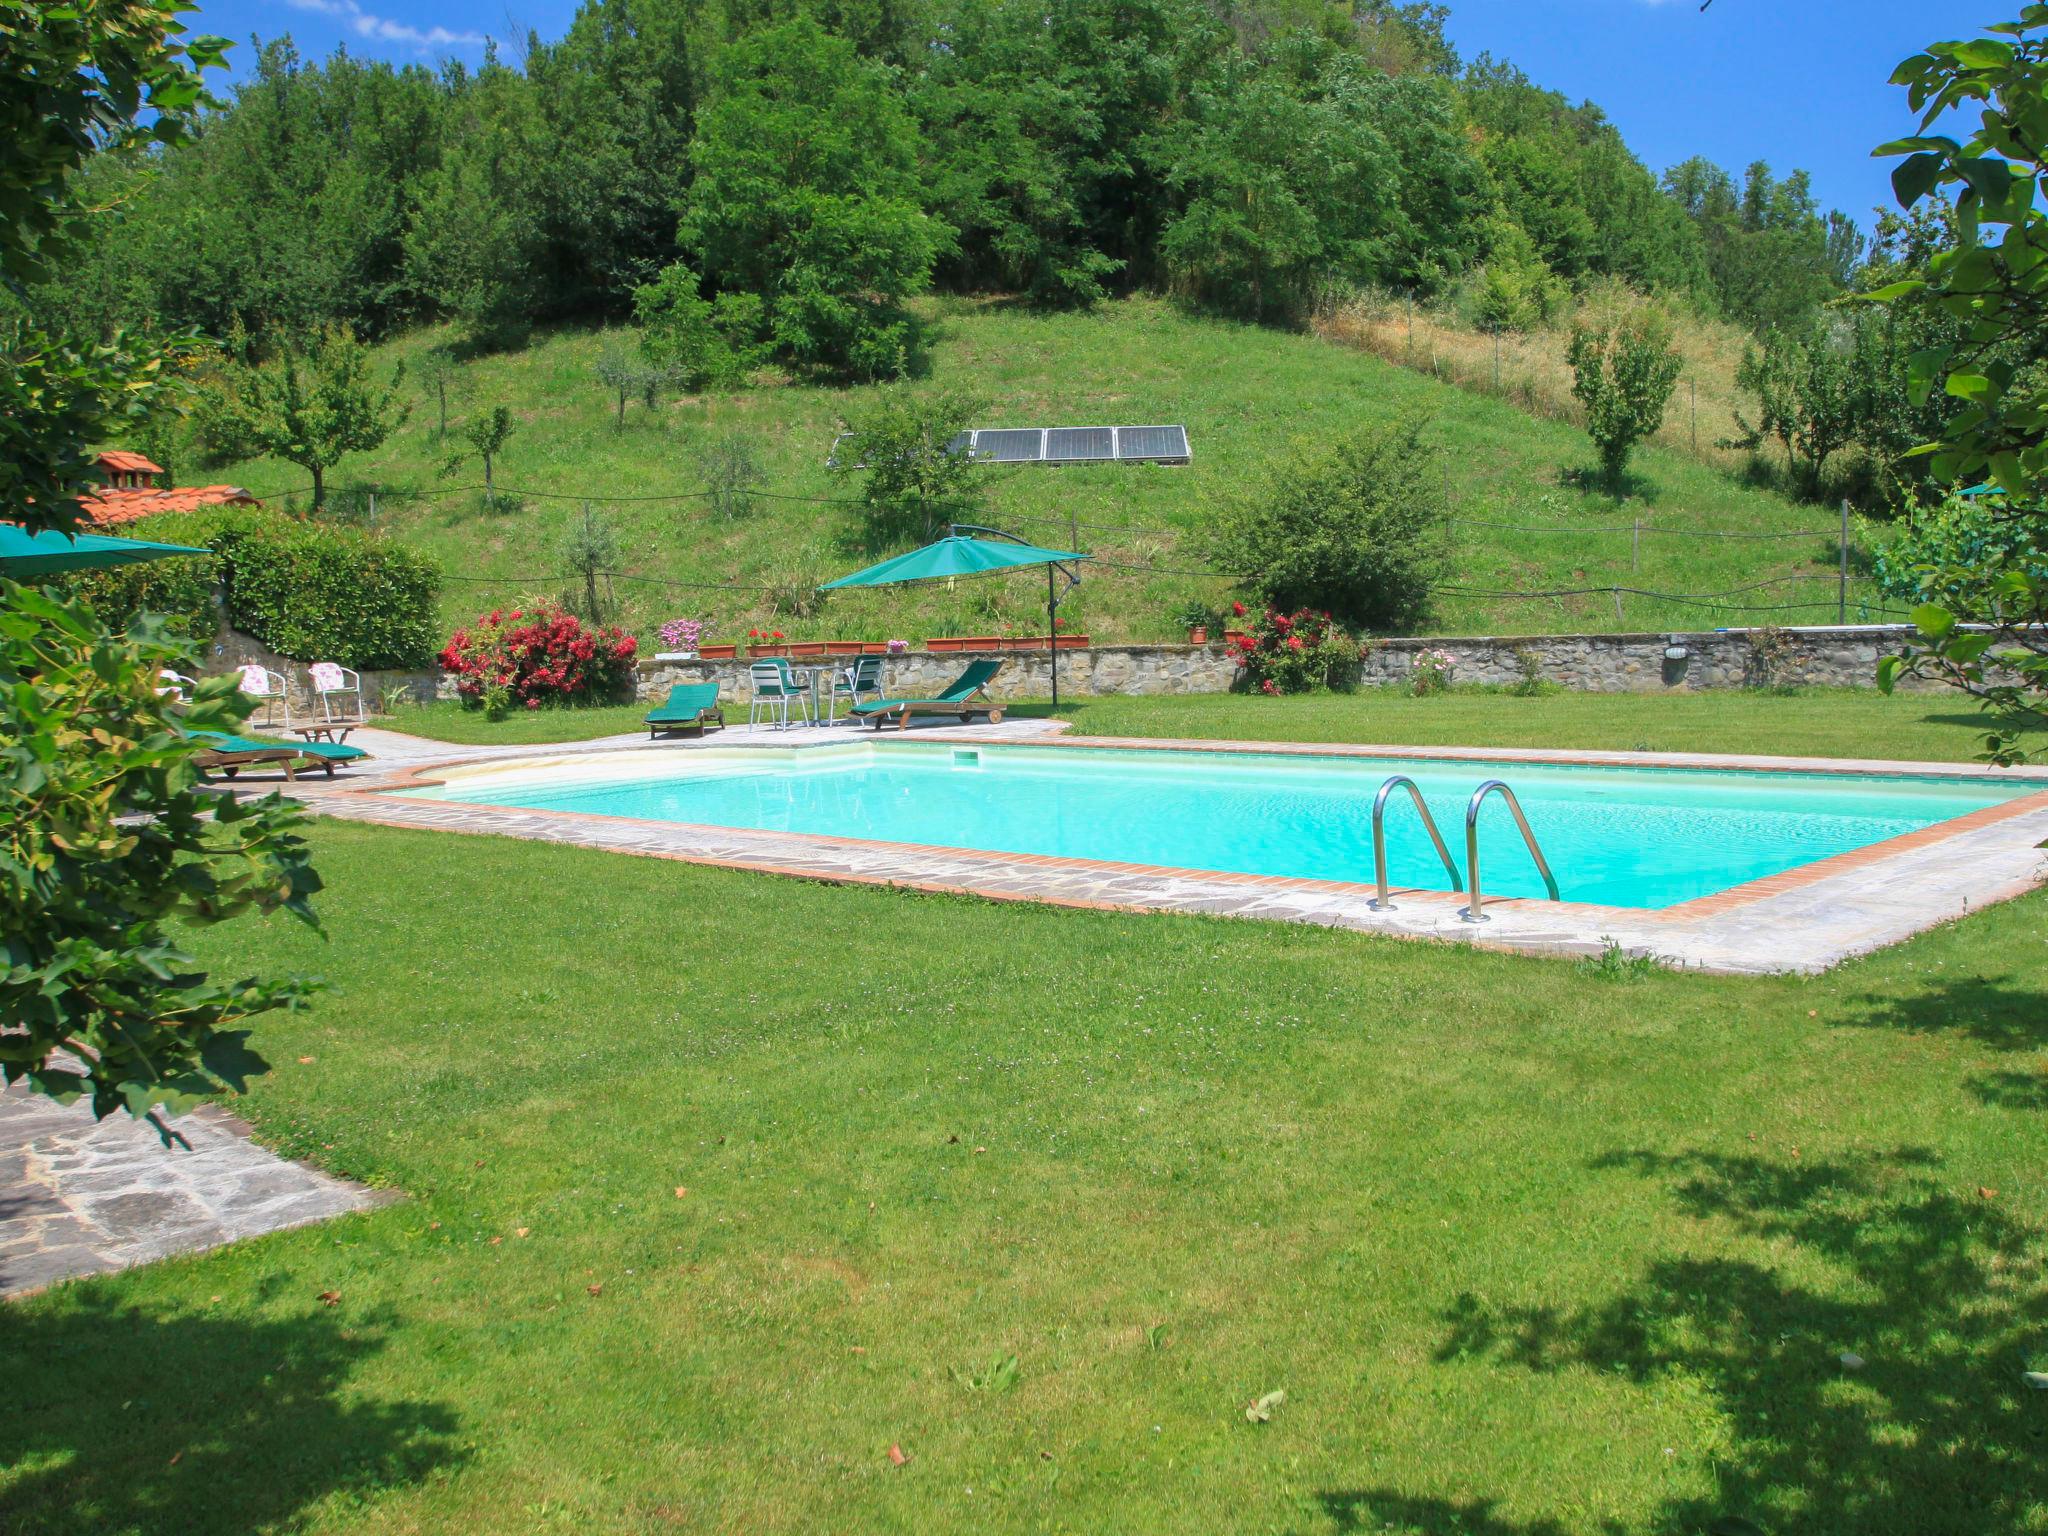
<point x="1635" y="529"/>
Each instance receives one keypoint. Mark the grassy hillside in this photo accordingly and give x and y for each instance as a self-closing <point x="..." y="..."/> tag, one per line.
<point x="1244" y="394"/>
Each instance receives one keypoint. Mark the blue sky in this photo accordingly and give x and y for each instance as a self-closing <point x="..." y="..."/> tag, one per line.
<point x="1794" y="82"/>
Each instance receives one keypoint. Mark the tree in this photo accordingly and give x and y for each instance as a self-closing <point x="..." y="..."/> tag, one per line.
<point x="1354" y="530"/>
<point x="313" y="405"/>
<point x="625" y="375"/>
<point x="437" y="370"/>
<point x="1809" y="393"/>
<point x="1993" y="284"/>
<point x="1623" y="374"/>
<point x="732" y="472"/>
<point x="915" y="477"/>
<point x="591" y="550"/>
<point x="806" y="196"/>
<point x="486" y="436"/>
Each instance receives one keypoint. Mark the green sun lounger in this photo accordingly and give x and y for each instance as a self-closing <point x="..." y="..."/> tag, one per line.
<point x="967" y="696"/>
<point x="687" y="705"/>
<point x="231" y="754"/>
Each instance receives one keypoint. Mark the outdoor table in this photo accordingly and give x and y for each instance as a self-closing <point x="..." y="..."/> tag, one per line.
<point x="808" y="677"/>
<point x="335" y="731"/>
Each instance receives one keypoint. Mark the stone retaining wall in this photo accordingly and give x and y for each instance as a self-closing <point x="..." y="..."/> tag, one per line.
<point x="1844" y="656"/>
<point x="1025" y="674"/>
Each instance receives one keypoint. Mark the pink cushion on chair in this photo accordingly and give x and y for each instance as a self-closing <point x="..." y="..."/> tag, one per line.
<point x="255" y="680"/>
<point x="327" y="677"/>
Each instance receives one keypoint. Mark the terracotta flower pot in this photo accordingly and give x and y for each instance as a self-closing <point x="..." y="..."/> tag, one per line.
<point x="768" y="648"/>
<point x="945" y="643"/>
<point x="716" y="652"/>
<point x="874" y="648"/>
<point x="1235" y="637"/>
<point x="1198" y="635"/>
<point x="982" y="643"/>
<point x="846" y="647"/>
<point x="810" y="648"/>
<point x="1072" y="642"/>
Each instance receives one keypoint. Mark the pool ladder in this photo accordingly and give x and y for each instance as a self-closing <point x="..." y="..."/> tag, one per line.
<point x="1474" y="910"/>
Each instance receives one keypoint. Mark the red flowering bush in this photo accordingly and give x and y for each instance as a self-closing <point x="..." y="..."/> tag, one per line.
<point x="1295" y="652"/>
<point x="534" y="656"/>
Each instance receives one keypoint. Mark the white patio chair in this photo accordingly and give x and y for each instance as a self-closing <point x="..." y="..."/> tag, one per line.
<point x="175" y="686"/>
<point x="259" y="682"/>
<point x="333" y="686"/>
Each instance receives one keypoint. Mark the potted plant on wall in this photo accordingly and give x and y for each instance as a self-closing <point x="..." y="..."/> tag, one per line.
<point x="1232" y="635"/>
<point x="766" y="642"/>
<point x="1196" y="617"/>
<point x="680" y="636"/>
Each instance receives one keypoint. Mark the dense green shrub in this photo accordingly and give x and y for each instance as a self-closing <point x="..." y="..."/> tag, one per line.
<point x="307" y="590"/>
<point x="1355" y="529"/>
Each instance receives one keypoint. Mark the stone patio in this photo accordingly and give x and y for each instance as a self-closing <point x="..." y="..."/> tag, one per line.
<point x="83" y="1197"/>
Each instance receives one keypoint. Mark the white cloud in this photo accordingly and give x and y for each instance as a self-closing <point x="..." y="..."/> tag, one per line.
<point x="384" y="30"/>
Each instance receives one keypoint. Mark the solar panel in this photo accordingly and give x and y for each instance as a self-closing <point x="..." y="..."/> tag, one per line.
<point x="1079" y="445"/>
<point x="1152" y="443"/>
<point x="960" y="444"/>
<point x="1010" y="445"/>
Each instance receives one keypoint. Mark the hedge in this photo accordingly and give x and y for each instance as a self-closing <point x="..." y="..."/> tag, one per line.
<point x="310" y="591"/>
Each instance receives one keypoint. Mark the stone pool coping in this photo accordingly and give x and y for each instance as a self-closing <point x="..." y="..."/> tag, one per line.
<point x="1803" y="920"/>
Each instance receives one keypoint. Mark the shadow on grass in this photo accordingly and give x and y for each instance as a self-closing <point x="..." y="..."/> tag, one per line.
<point x="116" y="1420"/>
<point x="1997" y="1011"/>
<point x="1935" y="1288"/>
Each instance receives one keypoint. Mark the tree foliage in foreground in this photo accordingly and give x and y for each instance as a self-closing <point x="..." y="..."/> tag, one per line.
<point x="108" y="837"/>
<point x="105" y="833"/>
<point x="1993" y="284"/>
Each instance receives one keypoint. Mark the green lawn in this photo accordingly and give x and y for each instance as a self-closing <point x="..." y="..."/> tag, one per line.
<point x="721" y="1185"/>
<point x="1811" y="723"/>
<point x="1830" y="722"/>
<point x="1245" y="393"/>
<point x="523" y="727"/>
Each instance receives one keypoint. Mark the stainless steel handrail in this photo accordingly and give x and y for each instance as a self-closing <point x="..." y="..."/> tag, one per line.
<point x="1475" y="913"/>
<point x="1379" y="838"/>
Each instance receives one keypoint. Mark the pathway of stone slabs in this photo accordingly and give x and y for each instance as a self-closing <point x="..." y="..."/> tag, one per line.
<point x="83" y="1197"/>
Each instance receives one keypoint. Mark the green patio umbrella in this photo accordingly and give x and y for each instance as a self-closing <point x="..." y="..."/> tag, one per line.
<point x="24" y="554"/>
<point x="960" y="553"/>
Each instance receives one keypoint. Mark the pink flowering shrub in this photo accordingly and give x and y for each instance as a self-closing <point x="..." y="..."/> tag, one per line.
<point x="534" y="656"/>
<point x="1295" y="652"/>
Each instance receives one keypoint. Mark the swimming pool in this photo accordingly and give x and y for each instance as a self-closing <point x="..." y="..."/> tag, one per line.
<point x="1620" y="836"/>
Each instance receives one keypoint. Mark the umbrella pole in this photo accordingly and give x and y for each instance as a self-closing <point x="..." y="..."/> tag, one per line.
<point x="1052" y="632"/>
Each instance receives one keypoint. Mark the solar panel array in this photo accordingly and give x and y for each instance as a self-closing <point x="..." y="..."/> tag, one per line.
<point x="1076" y="445"/>
<point x="1067" y="445"/>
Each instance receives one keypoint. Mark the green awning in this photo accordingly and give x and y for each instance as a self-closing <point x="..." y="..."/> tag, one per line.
<point x="41" y="554"/>
<point x="956" y="555"/>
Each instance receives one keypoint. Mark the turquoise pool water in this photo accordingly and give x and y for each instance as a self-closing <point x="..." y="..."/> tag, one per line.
<point x="1628" y="837"/>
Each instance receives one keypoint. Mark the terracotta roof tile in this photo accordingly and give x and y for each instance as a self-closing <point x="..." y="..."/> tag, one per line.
<point x="110" y="508"/>
<point x="122" y="460"/>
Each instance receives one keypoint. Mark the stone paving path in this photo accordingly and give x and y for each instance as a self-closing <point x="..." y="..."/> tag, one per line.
<point x="82" y="1197"/>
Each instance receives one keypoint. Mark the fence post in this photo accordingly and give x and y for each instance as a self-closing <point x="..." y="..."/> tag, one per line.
<point x="373" y="511"/>
<point x="1496" y="359"/>
<point x="1635" y="548"/>
<point x="1411" y="327"/>
<point x="1842" y="580"/>
<point x="1694" y="386"/>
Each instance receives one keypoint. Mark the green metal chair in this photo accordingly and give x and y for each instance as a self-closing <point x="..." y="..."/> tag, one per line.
<point x="774" y="691"/>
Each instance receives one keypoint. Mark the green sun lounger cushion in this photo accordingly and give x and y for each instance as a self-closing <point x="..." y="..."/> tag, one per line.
<point x="970" y="682"/>
<point x="686" y="704"/>
<point x="327" y="751"/>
